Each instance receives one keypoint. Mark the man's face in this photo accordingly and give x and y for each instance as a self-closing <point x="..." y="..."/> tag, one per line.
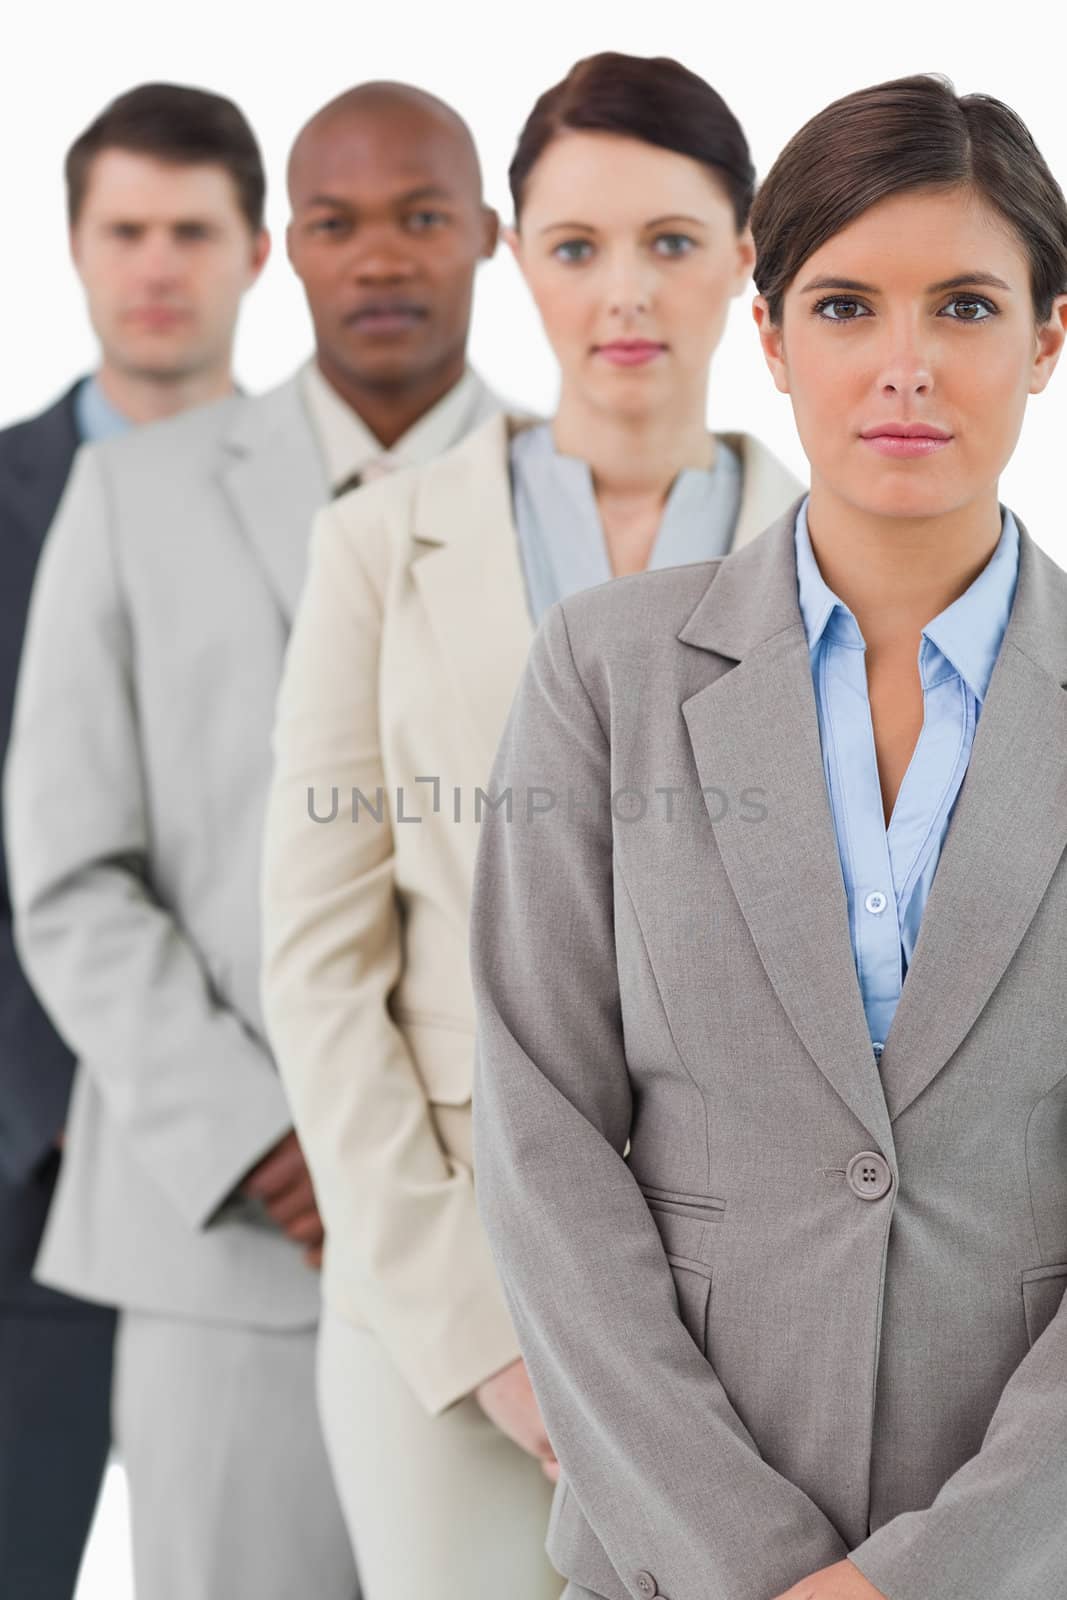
<point x="164" y="253"/>
<point x="387" y="230"/>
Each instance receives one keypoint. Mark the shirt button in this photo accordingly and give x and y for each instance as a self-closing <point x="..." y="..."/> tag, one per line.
<point x="876" y="903"/>
<point x="877" y="1047"/>
<point x="868" y="1175"/>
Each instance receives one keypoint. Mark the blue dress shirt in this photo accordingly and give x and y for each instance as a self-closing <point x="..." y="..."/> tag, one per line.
<point x="888" y="872"/>
<point x="96" y="417"/>
<point x="561" y="539"/>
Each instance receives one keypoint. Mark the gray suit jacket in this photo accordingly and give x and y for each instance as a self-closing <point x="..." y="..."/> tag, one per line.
<point x="135" y="788"/>
<point x="754" y="1353"/>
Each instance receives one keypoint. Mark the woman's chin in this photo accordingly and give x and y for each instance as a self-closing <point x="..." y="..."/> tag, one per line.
<point x="902" y="495"/>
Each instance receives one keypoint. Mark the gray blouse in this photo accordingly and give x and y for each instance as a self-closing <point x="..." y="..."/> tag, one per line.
<point x="561" y="541"/>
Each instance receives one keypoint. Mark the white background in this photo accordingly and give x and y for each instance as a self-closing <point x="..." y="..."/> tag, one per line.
<point x="775" y="64"/>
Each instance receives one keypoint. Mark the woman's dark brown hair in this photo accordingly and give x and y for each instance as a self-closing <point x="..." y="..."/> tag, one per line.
<point x="650" y="98"/>
<point x="911" y="133"/>
<point x="185" y="127"/>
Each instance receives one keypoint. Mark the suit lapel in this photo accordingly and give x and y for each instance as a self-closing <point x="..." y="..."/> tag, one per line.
<point x="275" y="479"/>
<point x="37" y="471"/>
<point x="767" y="488"/>
<point x="756" y="728"/>
<point x="467" y="570"/>
<point x="1007" y="836"/>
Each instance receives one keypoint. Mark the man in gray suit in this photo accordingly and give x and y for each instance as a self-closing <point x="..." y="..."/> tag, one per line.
<point x="135" y="788"/>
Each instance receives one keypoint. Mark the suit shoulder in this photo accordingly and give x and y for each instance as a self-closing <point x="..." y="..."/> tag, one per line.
<point x="20" y="440"/>
<point x="174" y="441"/>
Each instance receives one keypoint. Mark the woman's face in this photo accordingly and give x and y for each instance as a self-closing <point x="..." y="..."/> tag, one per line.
<point x="632" y="255"/>
<point x="908" y="346"/>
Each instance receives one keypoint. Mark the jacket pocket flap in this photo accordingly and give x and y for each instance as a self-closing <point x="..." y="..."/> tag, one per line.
<point x="444" y="1057"/>
<point x="704" y="1206"/>
<point x="1042" y="1293"/>
<point x="684" y="1237"/>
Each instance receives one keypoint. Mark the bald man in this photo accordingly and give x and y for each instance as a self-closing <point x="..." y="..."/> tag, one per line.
<point x="153" y="653"/>
<point x="387" y="227"/>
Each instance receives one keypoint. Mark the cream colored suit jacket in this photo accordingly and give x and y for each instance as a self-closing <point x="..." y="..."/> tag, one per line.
<point x="409" y="643"/>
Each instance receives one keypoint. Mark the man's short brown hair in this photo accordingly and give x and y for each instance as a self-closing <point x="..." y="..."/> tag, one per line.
<point x="186" y="127"/>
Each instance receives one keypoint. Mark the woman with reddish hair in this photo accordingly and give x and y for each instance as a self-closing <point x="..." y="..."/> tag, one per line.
<point x="632" y="185"/>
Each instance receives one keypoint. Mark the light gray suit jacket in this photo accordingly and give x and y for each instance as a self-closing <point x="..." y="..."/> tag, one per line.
<point x="135" y="790"/>
<point x="754" y="1354"/>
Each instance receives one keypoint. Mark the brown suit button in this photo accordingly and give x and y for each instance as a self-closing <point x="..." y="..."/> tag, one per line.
<point x="868" y="1175"/>
<point x="647" y="1587"/>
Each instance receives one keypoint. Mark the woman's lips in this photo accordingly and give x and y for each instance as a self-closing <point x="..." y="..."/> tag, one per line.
<point x="630" y="352"/>
<point x="906" y="441"/>
<point x="903" y="448"/>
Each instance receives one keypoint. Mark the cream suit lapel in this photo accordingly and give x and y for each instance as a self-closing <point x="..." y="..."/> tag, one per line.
<point x="275" y="479"/>
<point x="468" y="572"/>
<point x="1007" y="836"/>
<point x="756" y="728"/>
<point x="766" y="486"/>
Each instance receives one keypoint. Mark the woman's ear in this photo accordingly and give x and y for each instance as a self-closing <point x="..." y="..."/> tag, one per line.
<point x="513" y="239"/>
<point x="772" y="339"/>
<point x="1050" y="340"/>
<point x="746" y="260"/>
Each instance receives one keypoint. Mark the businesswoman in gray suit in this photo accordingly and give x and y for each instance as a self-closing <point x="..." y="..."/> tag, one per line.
<point x="632" y="186"/>
<point x="771" y="1093"/>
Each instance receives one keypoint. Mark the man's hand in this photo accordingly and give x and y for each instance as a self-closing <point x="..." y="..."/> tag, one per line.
<point x="283" y="1183"/>
<point x="842" y="1581"/>
<point x="508" y="1400"/>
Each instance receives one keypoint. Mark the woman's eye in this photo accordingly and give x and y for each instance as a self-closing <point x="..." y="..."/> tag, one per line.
<point x="673" y="244"/>
<point x="841" y="310"/>
<point x="572" y="250"/>
<point x="328" y="225"/>
<point x="968" y="308"/>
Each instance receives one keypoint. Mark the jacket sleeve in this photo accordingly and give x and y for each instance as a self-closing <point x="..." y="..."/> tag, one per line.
<point x="998" y="1525"/>
<point x="36" y="1068"/>
<point x="195" y="1091"/>
<point x="407" y="1252"/>
<point x="662" y="1467"/>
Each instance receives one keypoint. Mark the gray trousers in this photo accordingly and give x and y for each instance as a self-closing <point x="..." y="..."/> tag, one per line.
<point x="230" y="1492"/>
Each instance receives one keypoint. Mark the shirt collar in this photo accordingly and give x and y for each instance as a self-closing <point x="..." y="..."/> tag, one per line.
<point x="968" y="633"/>
<point x="348" y="444"/>
<point x="97" y="419"/>
<point x="819" y="606"/>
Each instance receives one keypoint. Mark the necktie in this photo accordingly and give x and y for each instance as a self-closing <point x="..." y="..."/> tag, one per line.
<point x="380" y="467"/>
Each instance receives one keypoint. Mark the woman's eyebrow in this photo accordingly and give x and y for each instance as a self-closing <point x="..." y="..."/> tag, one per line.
<point x="677" y="216"/>
<point x="580" y="227"/>
<point x="653" y="222"/>
<point x="963" y="280"/>
<point x="851" y="284"/>
<point x="966" y="280"/>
